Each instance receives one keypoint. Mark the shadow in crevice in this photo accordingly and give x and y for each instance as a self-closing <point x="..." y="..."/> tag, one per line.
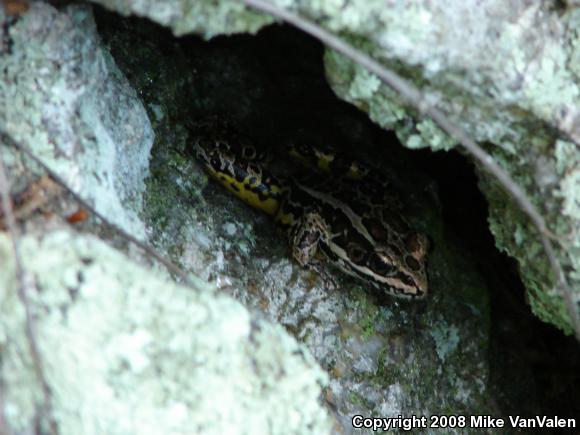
<point x="534" y="368"/>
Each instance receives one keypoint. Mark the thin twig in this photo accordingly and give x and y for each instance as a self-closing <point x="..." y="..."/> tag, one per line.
<point x="171" y="267"/>
<point x="22" y="290"/>
<point x="415" y="98"/>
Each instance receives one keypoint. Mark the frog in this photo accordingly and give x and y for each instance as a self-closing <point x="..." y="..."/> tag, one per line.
<point x="342" y="213"/>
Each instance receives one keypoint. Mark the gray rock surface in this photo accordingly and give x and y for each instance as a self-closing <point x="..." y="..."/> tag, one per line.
<point x="125" y="350"/>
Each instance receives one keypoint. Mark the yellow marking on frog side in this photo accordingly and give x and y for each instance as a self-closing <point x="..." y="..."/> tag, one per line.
<point x="269" y="205"/>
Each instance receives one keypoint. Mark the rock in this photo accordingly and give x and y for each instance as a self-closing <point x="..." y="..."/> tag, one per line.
<point x="206" y="18"/>
<point x="506" y="74"/>
<point x="63" y="97"/>
<point x="125" y="350"/>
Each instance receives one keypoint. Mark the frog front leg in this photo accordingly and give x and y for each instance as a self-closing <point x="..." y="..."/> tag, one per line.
<point x="305" y="235"/>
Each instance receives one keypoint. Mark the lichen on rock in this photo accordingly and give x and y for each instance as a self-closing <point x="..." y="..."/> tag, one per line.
<point x="207" y="18"/>
<point x="167" y="350"/>
<point x="62" y="95"/>
<point x="125" y="350"/>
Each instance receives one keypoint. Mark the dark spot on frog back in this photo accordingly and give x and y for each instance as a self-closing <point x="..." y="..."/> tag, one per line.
<point x="356" y="253"/>
<point x="376" y="229"/>
<point x="248" y="152"/>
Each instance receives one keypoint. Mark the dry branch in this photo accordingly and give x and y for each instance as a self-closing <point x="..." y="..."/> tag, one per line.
<point x="171" y="267"/>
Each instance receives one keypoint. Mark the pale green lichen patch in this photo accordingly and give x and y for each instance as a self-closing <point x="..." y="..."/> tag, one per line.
<point x="568" y="168"/>
<point x="206" y="17"/>
<point x="356" y="85"/>
<point x="127" y="351"/>
<point x="515" y="235"/>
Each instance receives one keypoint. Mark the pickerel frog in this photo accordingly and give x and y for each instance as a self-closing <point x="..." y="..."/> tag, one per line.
<point x="347" y="214"/>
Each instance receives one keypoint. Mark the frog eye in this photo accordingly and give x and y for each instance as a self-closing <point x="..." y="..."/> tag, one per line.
<point x="412" y="263"/>
<point x="355" y="252"/>
<point x="380" y="266"/>
<point x="417" y="245"/>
